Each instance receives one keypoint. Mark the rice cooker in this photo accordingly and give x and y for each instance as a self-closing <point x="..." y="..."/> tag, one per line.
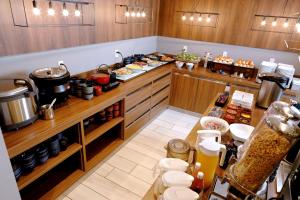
<point x="18" y="103"/>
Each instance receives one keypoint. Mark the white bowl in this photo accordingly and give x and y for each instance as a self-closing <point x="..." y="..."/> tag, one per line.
<point x="179" y="64"/>
<point x="190" y="65"/>
<point x="240" y="132"/>
<point x="221" y="122"/>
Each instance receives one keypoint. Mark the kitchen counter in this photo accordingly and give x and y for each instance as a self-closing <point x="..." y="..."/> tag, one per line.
<point x="257" y="114"/>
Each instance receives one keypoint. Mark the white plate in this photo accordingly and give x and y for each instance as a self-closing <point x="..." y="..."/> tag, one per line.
<point x="207" y="119"/>
<point x="240" y="132"/>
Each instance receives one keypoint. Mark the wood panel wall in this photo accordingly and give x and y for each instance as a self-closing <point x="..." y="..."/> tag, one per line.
<point x="19" y="40"/>
<point x="236" y="18"/>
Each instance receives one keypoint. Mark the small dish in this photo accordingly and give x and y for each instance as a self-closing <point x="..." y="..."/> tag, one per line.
<point x="240" y="132"/>
<point x="179" y="64"/>
<point x="190" y="65"/>
<point x="214" y="123"/>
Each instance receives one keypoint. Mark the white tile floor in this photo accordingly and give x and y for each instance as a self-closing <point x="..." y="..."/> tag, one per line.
<point x="129" y="172"/>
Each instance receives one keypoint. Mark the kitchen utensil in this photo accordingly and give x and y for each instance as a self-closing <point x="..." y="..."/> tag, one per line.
<point x="98" y="90"/>
<point x="178" y="148"/>
<point x="102" y="79"/>
<point x="52" y="82"/>
<point x="208" y="155"/>
<point x="271" y="88"/>
<point x="214" y="123"/>
<point x="18" y="103"/>
<point x="46" y="112"/>
<point x="88" y="96"/>
<point x="52" y="103"/>
<point x="240" y="132"/>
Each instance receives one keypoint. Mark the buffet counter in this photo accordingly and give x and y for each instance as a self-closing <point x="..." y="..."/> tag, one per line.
<point x="192" y="137"/>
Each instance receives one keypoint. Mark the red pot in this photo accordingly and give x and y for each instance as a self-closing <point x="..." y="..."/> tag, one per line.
<point x="102" y="79"/>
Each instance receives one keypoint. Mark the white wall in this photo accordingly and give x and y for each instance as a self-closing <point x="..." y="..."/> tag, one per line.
<point x="174" y="46"/>
<point x="77" y="59"/>
<point x="8" y="185"/>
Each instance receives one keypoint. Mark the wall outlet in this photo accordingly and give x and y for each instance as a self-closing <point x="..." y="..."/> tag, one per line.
<point x="117" y="53"/>
<point x="185" y="48"/>
<point x="61" y="62"/>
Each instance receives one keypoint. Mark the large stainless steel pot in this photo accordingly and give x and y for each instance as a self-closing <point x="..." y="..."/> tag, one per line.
<point x="18" y="103"/>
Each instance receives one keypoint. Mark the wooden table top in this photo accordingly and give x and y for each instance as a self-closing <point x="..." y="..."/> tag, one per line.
<point x="257" y="114"/>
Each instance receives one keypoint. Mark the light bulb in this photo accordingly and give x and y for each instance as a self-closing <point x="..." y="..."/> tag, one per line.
<point x="77" y="11"/>
<point x="133" y="14"/>
<point x="127" y="13"/>
<point x="208" y="19"/>
<point x="138" y="14"/>
<point x="183" y="17"/>
<point x="274" y="23"/>
<point x="35" y="10"/>
<point x="286" y="24"/>
<point x="143" y="14"/>
<point x="298" y="25"/>
<point x="192" y="18"/>
<point x="263" y="22"/>
<point x="200" y="18"/>
<point x="65" y="12"/>
<point x="298" y="29"/>
<point x="51" y="11"/>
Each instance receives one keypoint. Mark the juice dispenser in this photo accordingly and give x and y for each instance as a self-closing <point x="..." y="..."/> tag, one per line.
<point x="208" y="154"/>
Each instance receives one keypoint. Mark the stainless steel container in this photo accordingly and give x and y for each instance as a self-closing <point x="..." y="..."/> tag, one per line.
<point x="271" y="88"/>
<point x="18" y="106"/>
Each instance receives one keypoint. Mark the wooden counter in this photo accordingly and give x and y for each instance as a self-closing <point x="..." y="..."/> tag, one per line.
<point x="257" y="113"/>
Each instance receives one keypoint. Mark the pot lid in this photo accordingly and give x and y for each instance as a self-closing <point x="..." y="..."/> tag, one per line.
<point x="281" y="125"/>
<point x="12" y="87"/>
<point x="167" y="164"/>
<point x="178" y="146"/>
<point x="50" y="72"/>
<point x="180" y="193"/>
<point x="286" y="110"/>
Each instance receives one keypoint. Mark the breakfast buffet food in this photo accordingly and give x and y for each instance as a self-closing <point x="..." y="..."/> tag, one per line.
<point x="224" y="60"/>
<point x="244" y="63"/>
<point x="187" y="57"/>
<point x="237" y="114"/>
<point x="123" y="72"/>
<point x="166" y="59"/>
<point x="134" y="67"/>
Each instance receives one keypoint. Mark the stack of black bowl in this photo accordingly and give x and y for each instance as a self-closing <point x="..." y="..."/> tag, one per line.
<point x="28" y="161"/>
<point x="54" y="146"/>
<point x="42" y="154"/>
<point x="16" y="168"/>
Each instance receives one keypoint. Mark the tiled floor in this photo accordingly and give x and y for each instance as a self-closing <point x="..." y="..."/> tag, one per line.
<point x="129" y="172"/>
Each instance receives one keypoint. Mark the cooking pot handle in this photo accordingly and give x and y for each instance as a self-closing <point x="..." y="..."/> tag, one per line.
<point x="64" y="66"/>
<point x="24" y="82"/>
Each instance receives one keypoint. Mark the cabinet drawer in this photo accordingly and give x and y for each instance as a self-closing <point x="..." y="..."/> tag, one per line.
<point x="137" y="96"/>
<point x="160" y="96"/>
<point x="161" y="106"/>
<point x="160" y="83"/>
<point x="137" y="111"/>
<point x="137" y="125"/>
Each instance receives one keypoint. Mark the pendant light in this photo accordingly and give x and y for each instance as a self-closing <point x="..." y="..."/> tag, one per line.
<point x="132" y="14"/>
<point x="200" y="18"/>
<point x="263" y="22"/>
<point x="208" y="19"/>
<point x="35" y="10"/>
<point x="138" y="14"/>
<point x="51" y="11"/>
<point x="77" y="11"/>
<point x="183" y="18"/>
<point x="143" y="13"/>
<point x="286" y="23"/>
<point x="65" y="12"/>
<point x="127" y="13"/>
<point x="274" y="23"/>
<point x="192" y="17"/>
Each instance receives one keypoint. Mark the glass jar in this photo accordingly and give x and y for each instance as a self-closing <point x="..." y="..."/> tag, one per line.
<point x="262" y="152"/>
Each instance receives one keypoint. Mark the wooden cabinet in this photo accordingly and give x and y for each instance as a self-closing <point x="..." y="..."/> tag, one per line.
<point x="183" y="92"/>
<point x="206" y="93"/>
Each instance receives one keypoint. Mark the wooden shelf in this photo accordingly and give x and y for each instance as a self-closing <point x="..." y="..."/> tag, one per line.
<point x="91" y="136"/>
<point x="103" y="153"/>
<point x="44" y="168"/>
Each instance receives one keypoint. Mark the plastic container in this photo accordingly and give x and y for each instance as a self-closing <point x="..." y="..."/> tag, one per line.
<point x="262" y="152"/>
<point x="179" y="193"/>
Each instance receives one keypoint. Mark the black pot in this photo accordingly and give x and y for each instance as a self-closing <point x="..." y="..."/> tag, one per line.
<point x="54" y="146"/>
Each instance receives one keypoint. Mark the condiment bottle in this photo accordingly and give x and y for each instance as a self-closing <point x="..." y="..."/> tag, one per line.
<point x="198" y="183"/>
<point x="195" y="174"/>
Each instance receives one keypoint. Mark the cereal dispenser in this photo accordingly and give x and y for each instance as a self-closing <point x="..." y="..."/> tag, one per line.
<point x="263" y="151"/>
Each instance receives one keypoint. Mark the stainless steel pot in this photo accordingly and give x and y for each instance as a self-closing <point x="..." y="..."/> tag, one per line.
<point x="18" y="105"/>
